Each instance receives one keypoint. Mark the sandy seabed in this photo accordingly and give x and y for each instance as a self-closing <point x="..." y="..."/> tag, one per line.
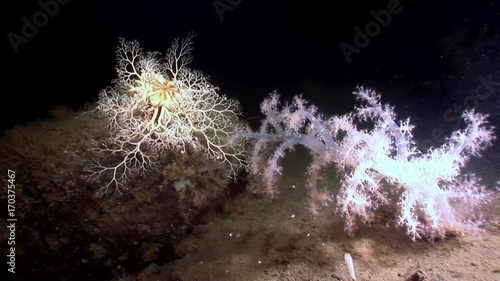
<point x="249" y="238"/>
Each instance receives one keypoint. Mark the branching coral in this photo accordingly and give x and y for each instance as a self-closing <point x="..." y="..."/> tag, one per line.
<point x="158" y="103"/>
<point x="427" y="187"/>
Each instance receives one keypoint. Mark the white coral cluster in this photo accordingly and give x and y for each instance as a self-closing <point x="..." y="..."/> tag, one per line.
<point x="158" y="103"/>
<point x="427" y="187"/>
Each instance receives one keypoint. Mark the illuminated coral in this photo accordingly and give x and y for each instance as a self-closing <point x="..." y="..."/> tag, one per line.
<point x="380" y="164"/>
<point x="156" y="104"/>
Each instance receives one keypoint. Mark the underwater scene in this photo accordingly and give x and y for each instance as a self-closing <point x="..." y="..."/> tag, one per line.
<point x="251" y="140"/>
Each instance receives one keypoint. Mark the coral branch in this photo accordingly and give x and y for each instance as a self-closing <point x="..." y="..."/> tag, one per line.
<point x="425" y="186"/>
<point x="154" y="106"/>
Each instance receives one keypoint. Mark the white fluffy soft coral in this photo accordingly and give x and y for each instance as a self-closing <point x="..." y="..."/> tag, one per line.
<point x="425" y="186"/>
